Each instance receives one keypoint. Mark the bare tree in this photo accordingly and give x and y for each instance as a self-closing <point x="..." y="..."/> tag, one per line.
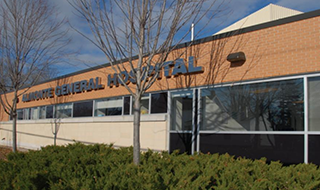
<point x="144" y="33"/>
<point x="31" y="40"/>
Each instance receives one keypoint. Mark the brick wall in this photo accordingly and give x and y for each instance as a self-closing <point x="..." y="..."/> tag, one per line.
<point x="286" y="49"/>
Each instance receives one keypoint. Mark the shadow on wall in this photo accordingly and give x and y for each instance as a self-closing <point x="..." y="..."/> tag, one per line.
<point x="212" y="56"/>
<point x="4" y="140"/>
<point x="56" y="120"/>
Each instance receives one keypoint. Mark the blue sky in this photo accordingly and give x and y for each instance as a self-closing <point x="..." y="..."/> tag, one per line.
<point x="89" y="55"/>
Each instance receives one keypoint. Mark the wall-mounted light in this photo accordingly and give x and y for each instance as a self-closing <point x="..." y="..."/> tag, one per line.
<point x="236" y="57"/>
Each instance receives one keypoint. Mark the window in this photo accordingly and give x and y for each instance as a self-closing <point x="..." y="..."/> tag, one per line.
<point x="144" y="104"/>
<point x="111" y="106"/>
<point x="314" y="103"/>
<point x="20" y="114"/>
<point x="64" y="110"/>
<point x="181" y="111"/>
<point x="104" y="107"/>
<point x="126" y="105"/>
<point x="287" y="148"/>
<point x="49" y="111"/>
<point x="159" y="102"/>
<point x="26" y="113"/>
<point x="46" y="112"/>
<point x="271" y="106"/>
<point x="42" y="112"/>
<point x="35" y="113"/>
<point x="82" y="109"/>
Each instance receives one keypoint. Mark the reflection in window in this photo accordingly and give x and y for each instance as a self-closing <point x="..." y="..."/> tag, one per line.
<point x="286" y="148"/>
<point x="49" y="112"/>
<point x="181" y="116"/>
<point x="64" y="110"/>
<point x="42" y="112"/>
<point x="159" y="102"/>
<point x="82" y="109"/>
<point x="26" y="113"/>
<point x="271" y="106"/>
<point x="313" y="148"/>
<point x="112" y="106"/>
<point x="35" y="113"/>
<point x="144" y="104"/>
<point x="126" y="105"/>
<point x="20" y="114"/>
<point x="314" y="103"/>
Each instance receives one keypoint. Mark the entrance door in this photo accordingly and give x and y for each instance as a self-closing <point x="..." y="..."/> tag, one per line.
<point x="182" y="121"/>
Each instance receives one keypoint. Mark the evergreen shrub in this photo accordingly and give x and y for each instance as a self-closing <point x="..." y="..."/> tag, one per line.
<point x="88" y="167"/>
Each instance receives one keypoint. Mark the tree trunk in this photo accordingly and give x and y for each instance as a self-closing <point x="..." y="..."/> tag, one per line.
<point x="55" y="134"/>
<point x="136" y="130"/>
<point x="14" y="123"/>
<point x="14" y="132"/>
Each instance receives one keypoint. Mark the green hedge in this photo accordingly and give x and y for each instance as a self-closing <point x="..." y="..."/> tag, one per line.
<point x="79" y="166"/>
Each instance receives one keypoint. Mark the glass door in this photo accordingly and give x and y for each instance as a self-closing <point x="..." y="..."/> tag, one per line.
<point x="182" y="121"/>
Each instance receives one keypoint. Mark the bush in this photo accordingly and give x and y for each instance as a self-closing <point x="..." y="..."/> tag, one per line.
<point x="79" y="166"/>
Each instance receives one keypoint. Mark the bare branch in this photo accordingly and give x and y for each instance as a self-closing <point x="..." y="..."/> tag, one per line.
<point x="31" y="41"/>
<point x="150" y="29"/>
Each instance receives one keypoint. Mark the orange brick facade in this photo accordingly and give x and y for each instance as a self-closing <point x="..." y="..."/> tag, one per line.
<point x="280" y="50"/>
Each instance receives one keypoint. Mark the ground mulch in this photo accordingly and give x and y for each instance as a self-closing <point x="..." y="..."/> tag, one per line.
<point x="4" y="151"/>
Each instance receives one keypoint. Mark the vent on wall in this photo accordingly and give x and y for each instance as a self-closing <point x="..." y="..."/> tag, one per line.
<point x="236" y="57"/>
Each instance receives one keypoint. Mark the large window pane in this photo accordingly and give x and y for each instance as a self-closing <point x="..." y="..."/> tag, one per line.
<point x="20" y="114"/>
<point x="126" y="105"/>
<point x="159" y="102"/>
<point x="82" y="109"/>
<point x="181" y="142"/>
<point x="314" y="103"/>
<point x="145" y="104"/>
<point x="289" y="149"/>
<point x="181" y="116"/>
<point x="42" y="112"/>
<point x="63" y="110"/>
<point x="314" y="147"/>
<point x="49" y="111"/>
<point x="112" y="106"/>
<point x="35" y="113"/>
<point x="272" y="106"/>
<point x="26" y="113"/>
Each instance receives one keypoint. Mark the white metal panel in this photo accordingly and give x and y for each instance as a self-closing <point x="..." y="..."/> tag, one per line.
<point x="64" y="106"/>
<point x="268" y="13"/>
<point x="111" y="103"/>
